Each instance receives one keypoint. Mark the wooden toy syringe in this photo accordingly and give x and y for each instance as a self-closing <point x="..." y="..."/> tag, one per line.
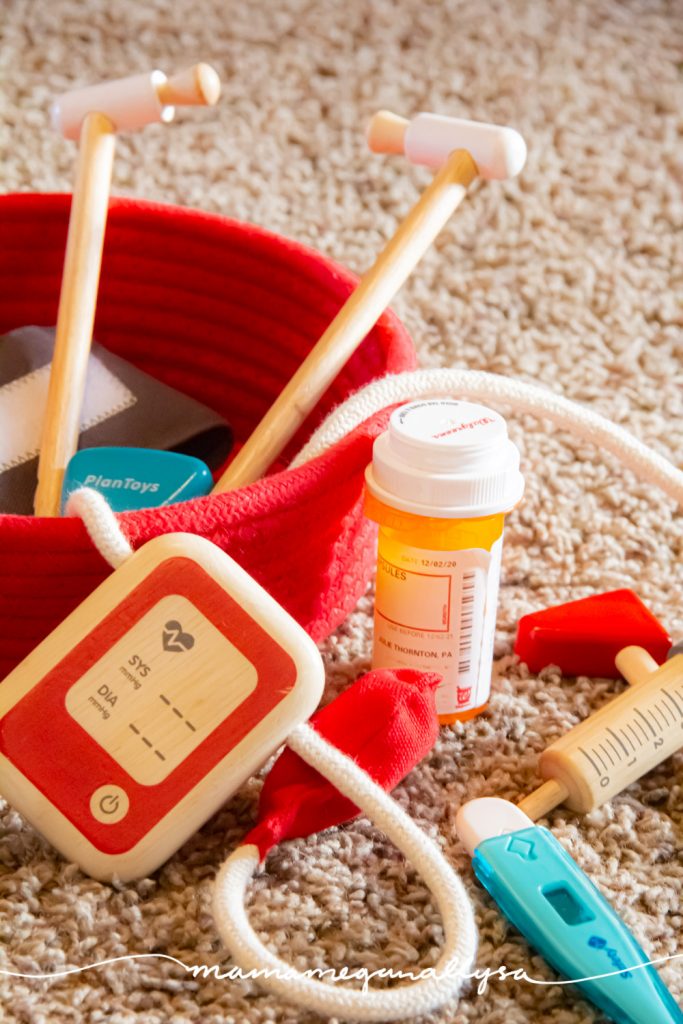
<point x="617" y="744"/>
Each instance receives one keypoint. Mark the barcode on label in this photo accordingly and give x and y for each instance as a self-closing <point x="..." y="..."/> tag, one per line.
<point x="466" y="622"/>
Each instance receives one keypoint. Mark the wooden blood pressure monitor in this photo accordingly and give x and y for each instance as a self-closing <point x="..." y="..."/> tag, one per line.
<point x="125" y="729"/>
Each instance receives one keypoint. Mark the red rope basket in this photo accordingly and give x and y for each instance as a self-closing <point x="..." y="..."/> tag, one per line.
<point x="224" y="312"/>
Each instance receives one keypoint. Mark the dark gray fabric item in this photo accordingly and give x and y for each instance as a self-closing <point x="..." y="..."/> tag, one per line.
<point x="153" y="415"/>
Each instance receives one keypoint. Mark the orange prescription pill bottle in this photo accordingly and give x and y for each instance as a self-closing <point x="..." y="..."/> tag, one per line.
<point x="441" y="479"/>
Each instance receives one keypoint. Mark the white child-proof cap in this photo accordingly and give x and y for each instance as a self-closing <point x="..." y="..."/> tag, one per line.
<point x="445" y="458"/>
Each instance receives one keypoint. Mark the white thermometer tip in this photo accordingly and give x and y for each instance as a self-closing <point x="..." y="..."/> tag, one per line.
<point x="487" y="817"/>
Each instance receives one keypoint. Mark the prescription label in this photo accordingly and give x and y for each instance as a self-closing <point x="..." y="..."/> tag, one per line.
<point x="436" y="611"/>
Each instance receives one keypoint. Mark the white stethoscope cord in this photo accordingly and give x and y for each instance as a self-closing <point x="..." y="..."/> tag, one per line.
<point x="580" y="422"/>
<point x="444" y="983"/>
<point x="249" y="952"/>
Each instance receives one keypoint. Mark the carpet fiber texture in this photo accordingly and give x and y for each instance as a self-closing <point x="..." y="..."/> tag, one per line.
<point x="570" y="277"/>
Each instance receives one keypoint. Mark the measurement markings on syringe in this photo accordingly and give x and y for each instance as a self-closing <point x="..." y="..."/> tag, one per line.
<point x="612" y="733"/>
<point x="664" y="712"/>
<point x="600" y="757"/>
<point x="633" y="746"/>
<point x="629" y="726"/>
<point x="599" y="752"/>
<point x="641" y="715"/>
<point x="590" y="759"/>
<point x="630" y="741"/>
<point x="616" y="752"/>
<point x="658" y="740"/>
<point x="643" y="732"/>
<point x="603" y="775"/>
<point x="675" y="703"/>
<point x="607" y="753"/>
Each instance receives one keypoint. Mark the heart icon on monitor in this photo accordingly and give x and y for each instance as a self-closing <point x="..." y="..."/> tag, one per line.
<point x="173" y="638"/>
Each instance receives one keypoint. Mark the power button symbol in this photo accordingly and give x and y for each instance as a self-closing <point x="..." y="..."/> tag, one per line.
<point x="109" y="804"/>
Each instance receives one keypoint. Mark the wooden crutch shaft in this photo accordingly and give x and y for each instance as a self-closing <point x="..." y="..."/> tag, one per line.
<point x="77" y="300"/>
<point x="358" y="315"/>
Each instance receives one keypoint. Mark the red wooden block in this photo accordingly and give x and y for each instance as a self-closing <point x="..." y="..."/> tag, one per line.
<point x="583" y="637"/>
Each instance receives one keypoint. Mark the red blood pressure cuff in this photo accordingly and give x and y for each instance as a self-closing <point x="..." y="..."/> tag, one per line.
<point x="123" y="407"/>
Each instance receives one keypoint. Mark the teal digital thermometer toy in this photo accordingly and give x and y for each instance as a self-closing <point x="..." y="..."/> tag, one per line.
<point x="549" y="899"/>
<point x="535" y="882"/>
<point x="135" y="478"/>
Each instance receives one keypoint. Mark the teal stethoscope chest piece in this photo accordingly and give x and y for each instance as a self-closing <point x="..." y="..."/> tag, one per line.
<point x="135" y="478"/>
<point x="549" y="899"/>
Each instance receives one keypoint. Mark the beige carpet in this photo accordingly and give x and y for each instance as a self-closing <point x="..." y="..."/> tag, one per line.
<point x="570" y="277"/>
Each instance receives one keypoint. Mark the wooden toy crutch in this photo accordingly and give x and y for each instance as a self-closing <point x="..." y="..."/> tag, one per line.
<point x="462" y="150"/>
<point x="94" y="115"/>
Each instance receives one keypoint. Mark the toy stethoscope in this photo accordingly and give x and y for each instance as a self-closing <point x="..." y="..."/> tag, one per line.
<point x="446" y="979"/>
